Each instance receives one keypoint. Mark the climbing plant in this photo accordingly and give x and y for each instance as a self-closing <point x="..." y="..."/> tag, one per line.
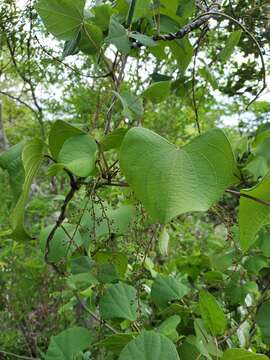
<point x="129" y="191"/>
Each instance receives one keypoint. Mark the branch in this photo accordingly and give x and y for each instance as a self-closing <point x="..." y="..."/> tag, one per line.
<point x="250" y="197"/>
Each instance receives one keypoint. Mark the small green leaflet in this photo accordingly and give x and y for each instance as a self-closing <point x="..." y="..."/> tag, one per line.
<point x="63" y="18"/>
<point x="119" y="302"/>
<point x="118" y="36"/>
<point x="68" y="344"/>
<point x="171" y="181"/>
<point x="32" y="157"/>
<point x="241" y="354"/>
<point x="157" y="92"/>
<point x="231" y="43"/>
<point x="78" y="155"/>
<point x="263" y="322"/>
<point x="212" y="314"/>
<point x="250" y="209"/>
<point x="150" y="345"/>
<point x="166" y="289"/>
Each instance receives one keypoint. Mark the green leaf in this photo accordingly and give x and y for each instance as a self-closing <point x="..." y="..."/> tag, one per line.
<point x="182" y="51"/>
<point x="143" y="39"/>
<point x="171" y="181"/>
<point x="142" y="9"/>
<point x="119" y="302"/>
<point x="166" y="289"/>
<point x="60" y="132"/>
<point x="62" y="18"/>
<point x="118" y="36"/>
<point x="250" y="209"/>
<point x="256" y="263"/>
<point x="231" y="43"/>
<point x="102" y="14"/>
<point x="212" y="314"/>
<point x="78" y="155"/>
<point x="206" y="73"/>
<point x="11" y="161"/>
<point x="168" y="327"/>
<point x="119" y="260"/>
<point x="68" y="344"/>
<point x="163" y="242"/>
<point x="32" y="157"/>
<point x="62" y="244"/>
<point x="158" y="91"/>
<point x="149" y="345"/>
<point x="186" y="8"/>
<point x="263" y="322"/>
<point x="71" y="46"/>
<point x="132" y="105"/>
<point x="241" y="354"/>
<point x="115" y="343"/>
<point x="91" y="39"/>
<point x="113" y="140"/>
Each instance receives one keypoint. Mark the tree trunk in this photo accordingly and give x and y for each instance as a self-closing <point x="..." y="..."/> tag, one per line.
<point x="3" y="139"/>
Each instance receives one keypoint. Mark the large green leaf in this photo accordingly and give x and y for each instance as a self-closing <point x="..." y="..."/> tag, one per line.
<point x="148" y="346"/>
<point x="250" y="209"/>
<point x="168" y="327"/>
<point x="230" y="45"/>
<point x="32" y="157"/>
<point x="182" y="51"/>
<point x="171" y="181"/>
<point x="118" y="36"/>
<point x="60" y="132"/>
<point x="78" y="155"/>
<point x="63" y="18"/>
<point x="212" y="313"/>
<point x="68" y="344"/>
<point x="263" y="321"/>
<point x="119" y="301"/>
<point x="11" y="161"/>
<point x="166" y="289"/>
<point x="241" y="354"/>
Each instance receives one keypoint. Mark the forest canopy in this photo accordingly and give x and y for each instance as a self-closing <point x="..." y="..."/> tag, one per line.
<point x="134" y="179"/>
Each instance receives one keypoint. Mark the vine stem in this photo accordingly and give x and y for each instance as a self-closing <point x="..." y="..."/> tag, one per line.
<point x="250" y="197"/>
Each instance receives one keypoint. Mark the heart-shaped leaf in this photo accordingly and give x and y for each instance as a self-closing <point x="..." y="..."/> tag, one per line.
<point x="68" y="344"/>
<point x="148" y="346"/>
<point x="63" y="18"/>
<point x="171" y="181"/>
<point x="119" y="301"/>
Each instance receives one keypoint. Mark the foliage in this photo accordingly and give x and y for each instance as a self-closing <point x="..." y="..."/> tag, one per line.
<point x="138" y="222"/>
